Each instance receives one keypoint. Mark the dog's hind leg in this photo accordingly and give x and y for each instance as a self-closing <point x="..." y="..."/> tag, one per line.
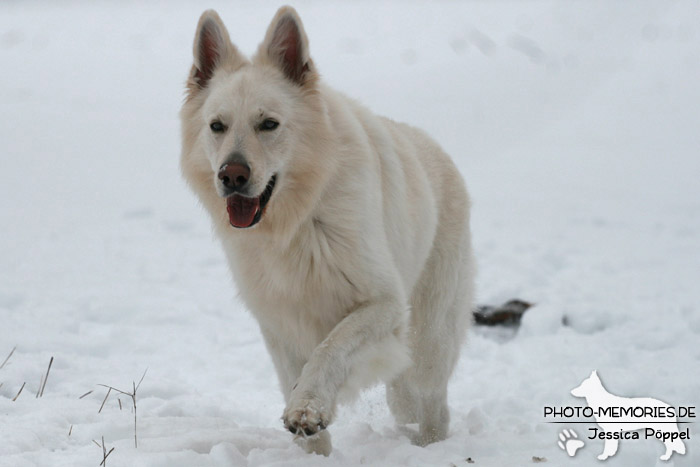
<point x="429" y="410"/>
<point x="441" y="304"/>
<point x="434" y="419"/>
<point x="435" y="356"/>
<point x="403" y="403"/>
<point x="419" y="394"/>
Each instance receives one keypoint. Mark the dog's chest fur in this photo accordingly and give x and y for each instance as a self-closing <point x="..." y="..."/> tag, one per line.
<point x="299" y="291"/>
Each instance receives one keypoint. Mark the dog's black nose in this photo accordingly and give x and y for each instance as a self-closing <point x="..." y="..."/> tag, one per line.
<point x="234" y="176"/>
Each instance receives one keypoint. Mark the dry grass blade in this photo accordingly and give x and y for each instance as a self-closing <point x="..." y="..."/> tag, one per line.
<point x="141" y="380"/>
<point x="105" y="400"/>
<point x="20" y="392"/>
<point x="132" y="394"/>
<point x="115" y="389"/>
<point x="104" y="461"/>
<point x="43" y="386"/>
<point x="38" y="389"/>
<point x="8" y="357"/>
<point x="70" y="431"/>
<point x="105" y="453"/>
<point x="86" y="394"/>
<point x="133" y="398"/>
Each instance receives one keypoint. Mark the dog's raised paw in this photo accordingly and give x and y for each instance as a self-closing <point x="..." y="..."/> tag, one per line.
<point x="305" y="417"/>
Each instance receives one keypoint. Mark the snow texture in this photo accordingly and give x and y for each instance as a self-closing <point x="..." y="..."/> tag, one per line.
<point x="575" y="124"/>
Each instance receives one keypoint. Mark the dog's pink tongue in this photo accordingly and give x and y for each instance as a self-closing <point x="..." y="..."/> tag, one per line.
<point x="241" y="210"/>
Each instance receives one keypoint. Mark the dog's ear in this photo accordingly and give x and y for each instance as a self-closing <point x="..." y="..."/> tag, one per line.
<point x="212" y="48"/>
<point x="287" y="47"/>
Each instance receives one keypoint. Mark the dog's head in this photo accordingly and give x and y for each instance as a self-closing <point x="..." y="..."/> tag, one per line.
<point x="251" y="128"/>
<point x="589" y="386"/>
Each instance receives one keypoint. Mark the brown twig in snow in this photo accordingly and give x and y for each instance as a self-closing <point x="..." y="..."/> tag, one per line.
<point x="142" y="377"/>
<point x="42" y="381"/>
<point x="46" y="378"/>
<point x="86" y="394"/>
<point x="105" y="400"/>
<point x="133" y="400"/>
<point x="105" y="453"/>
<point x="104" y="461"/>
<point x="8" y="357"/>
<point x="20" y="392"/>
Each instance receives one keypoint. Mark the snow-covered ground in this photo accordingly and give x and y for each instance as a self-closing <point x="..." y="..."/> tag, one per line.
<point x="575" y="124"/>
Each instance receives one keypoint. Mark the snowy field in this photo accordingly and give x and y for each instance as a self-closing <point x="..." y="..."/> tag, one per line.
<point x="575" y="124"/>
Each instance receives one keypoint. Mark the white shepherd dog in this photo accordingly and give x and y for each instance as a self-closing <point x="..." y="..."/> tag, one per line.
<point x="346" y="233"/>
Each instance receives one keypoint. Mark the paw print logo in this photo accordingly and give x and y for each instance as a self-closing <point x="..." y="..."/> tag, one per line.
<point x="569" y="442"/>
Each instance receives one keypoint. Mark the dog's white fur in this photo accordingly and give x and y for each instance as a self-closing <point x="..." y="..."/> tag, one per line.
<point x="361" y="268"/>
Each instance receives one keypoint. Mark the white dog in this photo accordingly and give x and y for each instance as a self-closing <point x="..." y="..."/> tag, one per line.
<point x="346" y="233"/>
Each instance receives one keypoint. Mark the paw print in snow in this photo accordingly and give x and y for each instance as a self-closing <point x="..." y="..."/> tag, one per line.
<point x="569" y="442"/>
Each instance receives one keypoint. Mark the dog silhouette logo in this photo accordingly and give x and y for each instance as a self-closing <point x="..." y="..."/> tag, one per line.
<point x="622" y="417"/>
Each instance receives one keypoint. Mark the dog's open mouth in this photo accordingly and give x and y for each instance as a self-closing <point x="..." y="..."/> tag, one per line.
<point x="245" y="212"/>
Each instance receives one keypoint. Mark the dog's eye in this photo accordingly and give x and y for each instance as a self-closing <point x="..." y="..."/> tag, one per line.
<point x="217" y="127"/>
<point x="268" y="124"/>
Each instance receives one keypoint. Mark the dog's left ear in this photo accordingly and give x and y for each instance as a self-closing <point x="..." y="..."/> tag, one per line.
<point x="287" y="47"/>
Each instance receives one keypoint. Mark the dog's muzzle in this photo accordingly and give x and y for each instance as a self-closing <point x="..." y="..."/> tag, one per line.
<point x="244" y="211"/>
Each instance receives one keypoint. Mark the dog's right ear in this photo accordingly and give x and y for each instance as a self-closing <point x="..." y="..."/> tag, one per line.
<point x="212" y="48"/>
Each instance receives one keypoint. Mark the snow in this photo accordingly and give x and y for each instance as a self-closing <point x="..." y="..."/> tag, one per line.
<point x="575" y="125"/>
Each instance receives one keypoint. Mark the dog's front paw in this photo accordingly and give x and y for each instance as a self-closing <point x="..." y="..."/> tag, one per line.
<point x="306" y="416"/>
